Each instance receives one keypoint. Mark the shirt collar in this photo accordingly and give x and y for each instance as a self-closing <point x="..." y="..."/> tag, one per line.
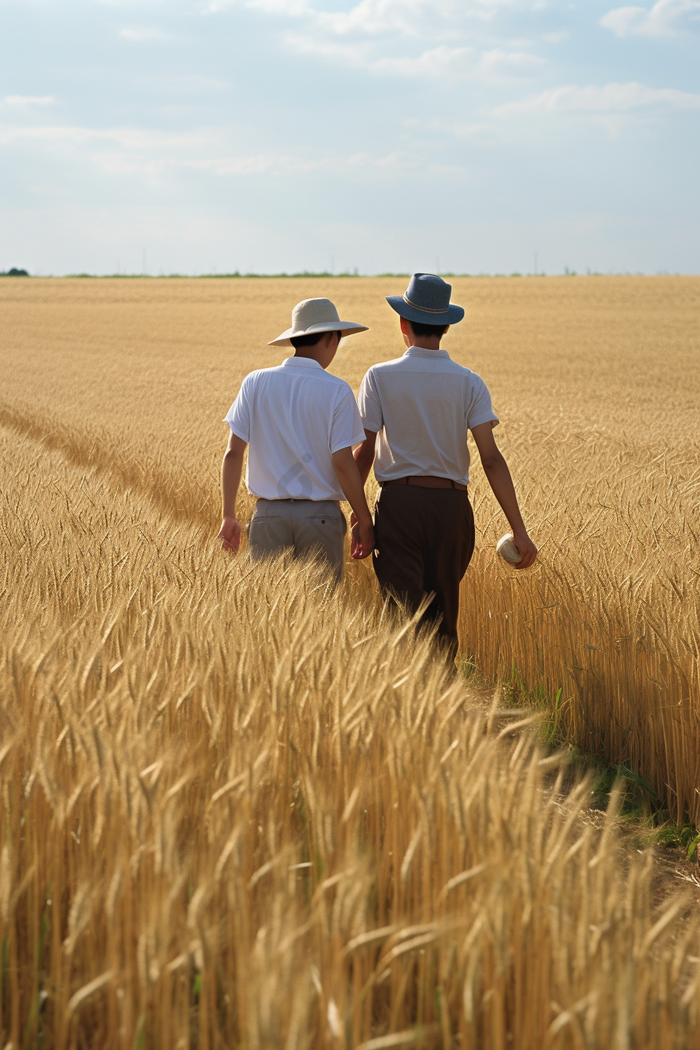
<point x="419" y="351"/>
<point x="300" y="362"/>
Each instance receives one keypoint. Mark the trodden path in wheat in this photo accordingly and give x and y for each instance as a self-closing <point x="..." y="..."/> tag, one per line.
<point x="241" y="810"/>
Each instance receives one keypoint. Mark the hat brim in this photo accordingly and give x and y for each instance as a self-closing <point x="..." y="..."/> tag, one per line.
<point x="451" y="315"/>
<point x="346" y="327"/>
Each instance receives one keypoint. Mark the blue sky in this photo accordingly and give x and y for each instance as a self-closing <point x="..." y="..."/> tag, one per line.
<point x="382" y="135"/>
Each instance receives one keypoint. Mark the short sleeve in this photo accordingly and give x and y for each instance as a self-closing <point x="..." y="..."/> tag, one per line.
<point x="369" y="403"/>
<point x="480" y="409"/>
<point x="346" y="425"/>
<point x="238" y="415"/>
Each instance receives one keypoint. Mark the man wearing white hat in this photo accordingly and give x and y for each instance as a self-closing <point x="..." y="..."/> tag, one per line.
<point x="301" y="424"/>
<point x="416" y="412"/>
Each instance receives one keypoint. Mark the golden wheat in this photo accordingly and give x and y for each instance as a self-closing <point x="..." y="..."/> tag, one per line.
<point x="243" y="809"/>
<point x="597" y="381"/>
<point x="239" y="809"/>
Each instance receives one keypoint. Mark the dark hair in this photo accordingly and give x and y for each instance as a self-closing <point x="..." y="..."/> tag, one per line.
<point x="309" y="340"/>
<point x="419" y="328"/>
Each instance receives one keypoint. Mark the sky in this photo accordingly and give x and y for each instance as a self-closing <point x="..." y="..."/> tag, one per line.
<point x="464" y="136"/>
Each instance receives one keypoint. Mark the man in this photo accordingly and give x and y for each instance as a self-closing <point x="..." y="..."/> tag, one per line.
<point x="301" y="424"/>
<point x="416" y="412"/>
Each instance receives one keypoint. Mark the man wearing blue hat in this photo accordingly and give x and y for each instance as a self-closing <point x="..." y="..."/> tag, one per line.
<point x="416" y="411"/>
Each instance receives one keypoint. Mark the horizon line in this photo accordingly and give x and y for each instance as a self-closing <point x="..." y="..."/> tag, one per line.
<point x="237" y="275"/>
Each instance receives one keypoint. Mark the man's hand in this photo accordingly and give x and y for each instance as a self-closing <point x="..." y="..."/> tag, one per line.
<point x="526" y="549"/>
<point x="230" y="534"/>
<point x="362" y="537"/>
<point x="496" y="470"/>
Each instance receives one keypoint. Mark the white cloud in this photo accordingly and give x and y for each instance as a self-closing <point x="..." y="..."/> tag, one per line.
<point x="141" y="34"/>
<point x="406" y="38"/>
<point x="214" y="6"/>
<point x="408" y="18"/>
<point x="189" y="84"/>
<point x="611" y="98"/>
<point x="442" y="62"/>
<point x="437" y="62"/>
<point x="356" y="165"/>
<point x="291" y="8"/>
<point x="373" y="18"/>
<point x="443" y="129"/>
<point x="665" y="18"/>
<point x="499" y="65"/>
<point x="128" y="138"/>
<point x="153" y="154"/>
<point x="557" y="36"/>
<point x="26" y="101"/>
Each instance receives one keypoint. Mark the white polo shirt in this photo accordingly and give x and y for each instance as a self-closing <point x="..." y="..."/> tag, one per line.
<point x="294" y="418"/>
<point x="421" y="406"/>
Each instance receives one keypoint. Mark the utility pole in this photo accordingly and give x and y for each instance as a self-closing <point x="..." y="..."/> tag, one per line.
<point x="535" y="269"/>
<point x="144" y="262"/>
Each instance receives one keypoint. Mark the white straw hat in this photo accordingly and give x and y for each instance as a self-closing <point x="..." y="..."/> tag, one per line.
<point x="313" y="316"/>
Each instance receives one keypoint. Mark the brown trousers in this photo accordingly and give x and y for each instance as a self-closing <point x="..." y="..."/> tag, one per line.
<point x="424" y="542"/>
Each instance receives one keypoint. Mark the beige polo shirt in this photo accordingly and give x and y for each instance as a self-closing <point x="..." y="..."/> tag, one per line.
<point x="421" y="406"/>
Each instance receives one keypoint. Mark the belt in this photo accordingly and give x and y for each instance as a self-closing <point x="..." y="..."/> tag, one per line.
<point x="426" y="482"/>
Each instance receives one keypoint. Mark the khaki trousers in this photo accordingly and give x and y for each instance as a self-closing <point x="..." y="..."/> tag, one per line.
<point x="306" y="526"/>
<point x="424" y="542"/>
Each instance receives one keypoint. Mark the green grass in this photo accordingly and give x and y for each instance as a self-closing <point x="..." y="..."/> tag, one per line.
<point x="648" y="821"/>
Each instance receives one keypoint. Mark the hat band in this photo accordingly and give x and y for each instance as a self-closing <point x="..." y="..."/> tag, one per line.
<point x="426" y="309"/>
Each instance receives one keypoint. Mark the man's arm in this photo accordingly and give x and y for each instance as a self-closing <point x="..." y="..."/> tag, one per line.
<point x="496" y="470"/>
<point x="364" y="454"/>
<point x="231" y="469"/>
<point x="350" y="482"/>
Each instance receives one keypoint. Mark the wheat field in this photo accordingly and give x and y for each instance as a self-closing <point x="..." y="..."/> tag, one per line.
<point x="241" y="809"/>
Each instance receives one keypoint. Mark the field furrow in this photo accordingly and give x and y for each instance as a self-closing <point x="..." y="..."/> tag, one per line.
<point x="149" y="475"/>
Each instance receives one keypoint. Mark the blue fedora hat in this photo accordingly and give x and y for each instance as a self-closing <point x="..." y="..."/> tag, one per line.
<point x="426" y="300"/>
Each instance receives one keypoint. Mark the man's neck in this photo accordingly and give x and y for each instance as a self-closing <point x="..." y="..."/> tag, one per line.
<point x="311" y="355"/>
<point x="427" y="344"/>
